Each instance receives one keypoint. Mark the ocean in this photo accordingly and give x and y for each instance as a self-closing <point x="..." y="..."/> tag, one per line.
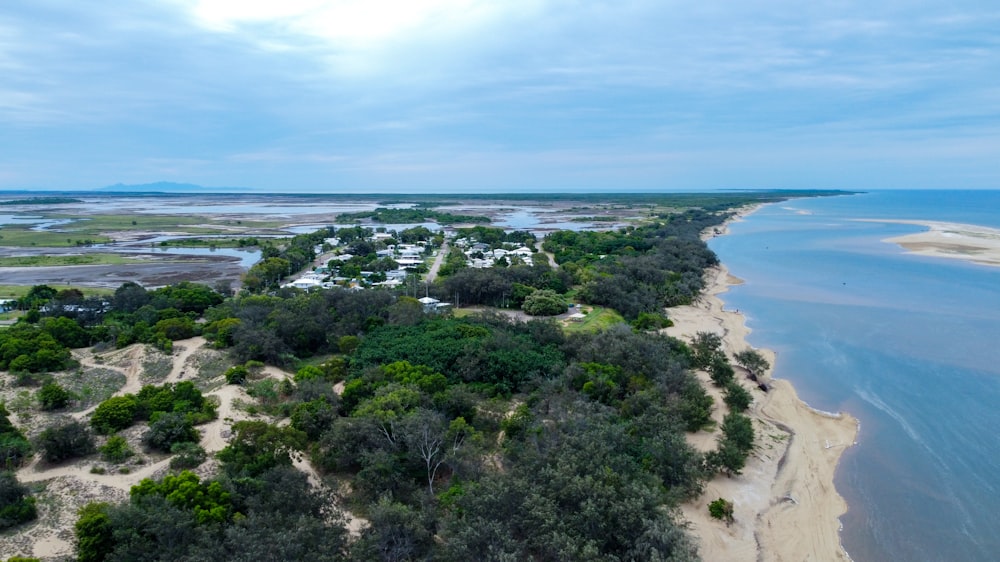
<point x="910" y="345"/>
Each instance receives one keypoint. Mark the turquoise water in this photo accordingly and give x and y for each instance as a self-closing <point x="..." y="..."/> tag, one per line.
<point x="908" y="344"/>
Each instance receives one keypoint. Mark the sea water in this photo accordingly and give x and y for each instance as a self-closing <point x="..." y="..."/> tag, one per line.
<point x="910" y="345"/>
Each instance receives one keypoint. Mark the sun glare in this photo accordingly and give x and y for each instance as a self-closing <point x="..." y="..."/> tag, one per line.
<point x="355" y="21"/>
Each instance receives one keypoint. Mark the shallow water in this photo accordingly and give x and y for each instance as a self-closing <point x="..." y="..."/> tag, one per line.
<point x="905" y="343"/>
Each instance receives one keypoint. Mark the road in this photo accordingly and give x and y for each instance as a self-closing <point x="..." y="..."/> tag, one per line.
<point x="442" y="253"/>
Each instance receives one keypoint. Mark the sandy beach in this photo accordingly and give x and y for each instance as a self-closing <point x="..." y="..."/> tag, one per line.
<point x="786" y="506"/>
<point x="977" y="244"/>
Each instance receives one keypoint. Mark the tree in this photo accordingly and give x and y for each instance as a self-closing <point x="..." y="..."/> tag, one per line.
<point x="65" y="441"/>
<point x="16" y="504"/>
<point x="544" y="302"/>
<point x="705" y="347"/>
<point x="257" y="446"/>
<point x="753" y="361"/>
<point x="425" y="433"/>
<point x="395" y="534"/>
<point x="93" y="530"/>
<point x="52" y="396"/>
<point x="208" y="501"/>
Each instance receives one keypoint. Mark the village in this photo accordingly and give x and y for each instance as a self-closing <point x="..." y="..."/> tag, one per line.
<point x="393" y="262"/>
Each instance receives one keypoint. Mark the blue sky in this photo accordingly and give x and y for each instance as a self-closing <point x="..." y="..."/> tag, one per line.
<point x="511" y="95"/>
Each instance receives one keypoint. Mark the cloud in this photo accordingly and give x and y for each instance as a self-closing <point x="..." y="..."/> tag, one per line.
<point x="471" y="92"/>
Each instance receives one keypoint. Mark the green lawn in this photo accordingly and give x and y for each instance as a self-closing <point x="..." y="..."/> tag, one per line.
<point x="598" y="318"/>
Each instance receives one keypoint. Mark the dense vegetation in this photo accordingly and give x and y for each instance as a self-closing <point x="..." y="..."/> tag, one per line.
<point x="642" y="269"/>
<point x="457" y="438"/>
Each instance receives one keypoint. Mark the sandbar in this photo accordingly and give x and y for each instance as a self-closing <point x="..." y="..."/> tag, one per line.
<point x="969" y="242"/>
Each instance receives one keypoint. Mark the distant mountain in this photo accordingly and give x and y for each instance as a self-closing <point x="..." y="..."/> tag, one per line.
<point x="170" y="187"/>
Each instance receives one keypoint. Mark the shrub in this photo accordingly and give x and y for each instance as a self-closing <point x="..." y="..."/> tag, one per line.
<point x="66" y="441"/>
<point x="721" y="509"/>
<point x="721" y="371"/>
<point x="167" y="429"/>
<point x="236" y="375"/>
<point x="651" y="321"/>
<point x="14" y="448"/>
<point x="114" y="414"/>
<point x="737" y="397"/>
<point x="116" y="449"/>
<point x="16" y="504"/>
<point x="188" y="455"/>
<point x="52" y="396"/>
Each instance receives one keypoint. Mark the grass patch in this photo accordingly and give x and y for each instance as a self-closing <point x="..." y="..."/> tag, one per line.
<point x="18" y="291"/>
<point x="79" y="259"/>
<point x="598" y="319"/>
<point x="23" y="237"/>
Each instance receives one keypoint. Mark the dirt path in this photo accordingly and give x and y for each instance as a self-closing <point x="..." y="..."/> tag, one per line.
<point x="187" y="349"/>
<point x="215" y="434"/>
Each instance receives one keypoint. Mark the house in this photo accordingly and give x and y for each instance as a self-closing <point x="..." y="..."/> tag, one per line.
<point x="304" y="283"/>
<point x="433" y="305"/>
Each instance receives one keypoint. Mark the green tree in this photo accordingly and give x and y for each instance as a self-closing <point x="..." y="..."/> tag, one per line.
<point x="395" y="533"/>
<point x="705" y="347"/>
<point x="544" y="302"/>
<point x="257" y="446"/>
<point x="208" y="501"/>
<point x="93" y="530"/>
<point x="753" y="361"/>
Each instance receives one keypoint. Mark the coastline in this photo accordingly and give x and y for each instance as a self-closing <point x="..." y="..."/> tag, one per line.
<point x="786" y="505"/>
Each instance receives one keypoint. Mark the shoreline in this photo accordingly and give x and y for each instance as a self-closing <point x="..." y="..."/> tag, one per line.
<point x="786" y="505"/>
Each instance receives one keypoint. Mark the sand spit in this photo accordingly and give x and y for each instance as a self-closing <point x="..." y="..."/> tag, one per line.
<point x="973" y="243"/>
<point x="786" y="506"/>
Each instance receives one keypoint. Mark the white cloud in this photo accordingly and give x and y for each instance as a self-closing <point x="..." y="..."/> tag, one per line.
<point x="351" y="22"/>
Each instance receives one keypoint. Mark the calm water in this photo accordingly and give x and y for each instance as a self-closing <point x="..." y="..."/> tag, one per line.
<point x="907" y="344"/>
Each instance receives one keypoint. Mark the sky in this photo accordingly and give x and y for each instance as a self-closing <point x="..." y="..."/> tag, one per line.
<point x="472" y="96"/>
